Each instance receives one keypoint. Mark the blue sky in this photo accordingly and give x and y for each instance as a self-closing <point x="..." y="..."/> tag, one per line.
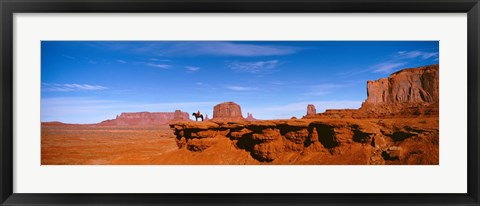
<point x="91" y="81"/>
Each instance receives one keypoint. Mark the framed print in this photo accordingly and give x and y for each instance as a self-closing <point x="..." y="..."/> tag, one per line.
<point x="251" y="103"/>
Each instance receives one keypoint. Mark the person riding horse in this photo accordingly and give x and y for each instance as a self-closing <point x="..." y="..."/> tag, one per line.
<point x="197" y="115"/>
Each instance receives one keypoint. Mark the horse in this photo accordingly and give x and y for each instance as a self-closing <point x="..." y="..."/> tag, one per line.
<point x="197" y="116"/>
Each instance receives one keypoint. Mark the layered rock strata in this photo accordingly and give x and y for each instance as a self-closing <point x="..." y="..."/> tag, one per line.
<point x="397" y="124"/>
<point x="227" y="111"/>
<point x="405" y="91"/>
<point x="147" y="118"/>
<point x="364" y="141"/>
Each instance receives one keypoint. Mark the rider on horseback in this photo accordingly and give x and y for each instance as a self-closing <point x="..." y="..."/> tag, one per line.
<point x="197" y="115"/>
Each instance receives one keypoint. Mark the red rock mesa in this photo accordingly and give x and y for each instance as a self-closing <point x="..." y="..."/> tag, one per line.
<point x="147" y="118"/>
<point x="227" y="111"/>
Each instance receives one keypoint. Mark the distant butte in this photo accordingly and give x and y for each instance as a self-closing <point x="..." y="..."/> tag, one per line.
<point x="227" y="111"/>
<point x="146" y="118"/>
<point x="250" y="117"/>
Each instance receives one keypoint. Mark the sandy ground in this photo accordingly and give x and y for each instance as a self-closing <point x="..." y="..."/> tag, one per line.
<point x="89" y="144"/>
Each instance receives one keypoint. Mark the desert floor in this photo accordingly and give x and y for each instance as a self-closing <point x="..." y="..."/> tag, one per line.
<point x="90" y="144"/>
<point x="128" y="145"/>
<point x="136" y="145"/>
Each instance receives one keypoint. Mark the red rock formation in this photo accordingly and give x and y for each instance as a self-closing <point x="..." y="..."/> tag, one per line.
<point x="410" y="92"/>
<point x="397" y="124"/>
<point x="417" y="87"/>
<point x="178" y="115"/>
<point x="147" y="118"/>
<point x="250" y="117"/>
<point x="317" y="141"/>
<point x="53" y="123"/>
<point x="227" y="111"/>
<point x="338" y="113"/>
<point x="311" y="111"/>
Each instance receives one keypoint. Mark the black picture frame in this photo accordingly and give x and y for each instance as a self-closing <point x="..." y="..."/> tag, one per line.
<point x="10" y="7"/>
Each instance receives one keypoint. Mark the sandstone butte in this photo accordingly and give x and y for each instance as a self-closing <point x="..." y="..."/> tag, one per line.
<point x="227" y="111"/>
<point x="397" y="124"/>
<point x="146" y="118"/>
<point x="250" y="117"/>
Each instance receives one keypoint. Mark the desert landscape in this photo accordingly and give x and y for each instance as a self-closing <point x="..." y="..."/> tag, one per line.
<point x="398" y="124"/>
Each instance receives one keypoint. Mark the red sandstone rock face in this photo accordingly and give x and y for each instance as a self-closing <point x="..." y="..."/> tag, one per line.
<point x="406" y="93"/>
<point x="336" y="114"/>
<point x="147" y="118"/>
<point x="227" y="111"/>
<point x="311" y="110"/>
<point x="408" y="86"/>
<point x="250" y="117"/>
<point x="314" y="141"/>
<point x="178" y="115"/>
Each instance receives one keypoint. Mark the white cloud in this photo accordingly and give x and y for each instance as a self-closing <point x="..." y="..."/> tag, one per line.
<point x="160" y="60"/>
<point x="227" y="49"/>
<point x="189" y="48"/>
<point x="121" y="61"/>
<point x="387" y="67"/>
<point x="254" y="67"/>
<point x="192" y="69"/>
<point x="415" y="54"/>
<point x="401" y="59"/>
<point x="71" y="87"/>
<point x="240" y="88"/>
<point x="156" y="65"/>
